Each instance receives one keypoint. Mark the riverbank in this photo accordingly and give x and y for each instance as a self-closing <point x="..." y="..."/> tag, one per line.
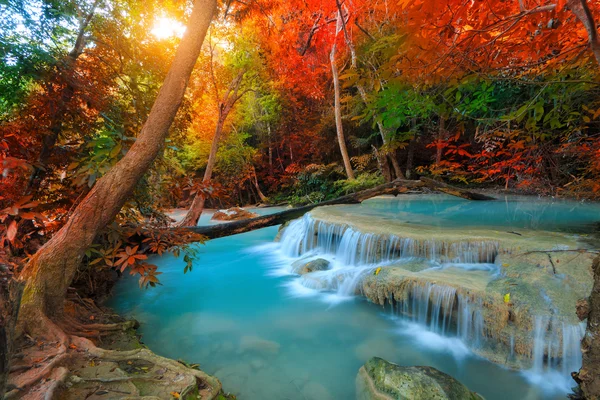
<point x="106" y="358"/>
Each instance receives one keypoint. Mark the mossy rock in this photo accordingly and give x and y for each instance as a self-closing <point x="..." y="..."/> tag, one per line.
<point x="382" y="380"/>
<point x="304" y="267"/>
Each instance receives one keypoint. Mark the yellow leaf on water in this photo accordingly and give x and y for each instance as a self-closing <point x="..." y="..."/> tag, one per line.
<point x="506" y="265"/>
<point x="175" y="395"/>
<point x="377" y="271"/>
<point x="507" y="298"/>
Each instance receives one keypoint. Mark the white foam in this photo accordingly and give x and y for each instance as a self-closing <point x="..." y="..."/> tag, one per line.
<point x="427" y="339"/>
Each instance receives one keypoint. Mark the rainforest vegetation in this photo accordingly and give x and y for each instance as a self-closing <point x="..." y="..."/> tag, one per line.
<point x="113" y="113"/>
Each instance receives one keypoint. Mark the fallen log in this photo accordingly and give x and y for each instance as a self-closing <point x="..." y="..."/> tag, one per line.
<point x="392" y="188"/>
<point x="453" y="191"/>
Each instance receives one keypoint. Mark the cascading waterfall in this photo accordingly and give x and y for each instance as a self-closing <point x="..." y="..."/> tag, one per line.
<point x="354" y="248"/>
<point x="556" y="345"/>
<point x="441" y="308"/>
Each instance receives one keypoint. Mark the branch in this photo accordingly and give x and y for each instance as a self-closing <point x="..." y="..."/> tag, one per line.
<point x="582" y="12"/>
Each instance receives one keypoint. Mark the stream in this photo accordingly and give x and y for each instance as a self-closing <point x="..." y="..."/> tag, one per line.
<point x="243" y="317"/>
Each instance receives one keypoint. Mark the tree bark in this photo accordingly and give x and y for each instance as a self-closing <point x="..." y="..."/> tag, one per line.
<point x="397" y="170"/>
<point x="10" y="297"/>
<point x="383" y="165"/>
<point x="440" y="139"/>
<point x="588" y="376"/>
<point x="393" y="188"/>
<point x="410" y="156"/>
<point x="195" y="211"/>
<point x="262" y="196"/>
<point x="582" y="11"/>
<point x="454" y="191"/>
<point x="51" y="270"/>
<point x="338" y="115"/>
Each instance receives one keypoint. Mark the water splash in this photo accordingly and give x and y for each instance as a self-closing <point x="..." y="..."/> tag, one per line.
<point x="351" y="247"/>
<point x="443" y="310"/>
<point x="556" y="345"/>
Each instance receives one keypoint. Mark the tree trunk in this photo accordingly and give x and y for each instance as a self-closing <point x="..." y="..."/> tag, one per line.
<point x="454" y="191"/>
<point x="393" y="156"/>
<point x="270" y="149"/>
<point x="582" y="11"/>
<point x="383" y="165"/>
<point x="440" y="139"/>
<point x="195" y="211"/>
<point x="10" y="297"/>
<point x="338" y="115"/>
<point x="410" y="156"/>
<point x="262" y="196"/>
<point x="51" y="270"/>
<point x="588" y="376"/>
<point x="361" y="89"/>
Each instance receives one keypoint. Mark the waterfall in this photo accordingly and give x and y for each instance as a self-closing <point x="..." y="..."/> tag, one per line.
<point x="354" y="248"/>
<point x="442" y="310"/>
<point x="556" y="345"/>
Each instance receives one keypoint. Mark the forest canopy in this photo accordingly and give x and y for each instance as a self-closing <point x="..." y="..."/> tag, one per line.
<point x="295" y="101"/>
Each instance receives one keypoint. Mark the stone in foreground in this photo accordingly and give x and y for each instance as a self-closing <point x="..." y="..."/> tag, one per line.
<point x="382" y="380"/>
<point x="302" y="267"/>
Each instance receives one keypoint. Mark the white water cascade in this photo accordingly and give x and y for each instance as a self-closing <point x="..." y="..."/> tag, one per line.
<point x="440" y="308"/>
<point x="556" y="345"/>
<point x="354" y="248"/>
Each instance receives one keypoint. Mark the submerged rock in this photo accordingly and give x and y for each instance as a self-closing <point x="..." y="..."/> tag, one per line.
<point x="302" y="267"/>
<point x="382" y="380"/>
<point x="258" y="345"/>
<point x="233" y="214"/>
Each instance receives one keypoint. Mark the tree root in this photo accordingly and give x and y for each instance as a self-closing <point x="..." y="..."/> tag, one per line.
<point x="45" y="377"/>
<point x="47" y="365"/>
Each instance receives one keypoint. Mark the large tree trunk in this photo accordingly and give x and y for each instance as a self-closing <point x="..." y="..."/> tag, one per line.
<point x="10" y="297"/>
<point x="588" y="376"/>
<point x="51" y="270"/>
<point x="338" y="115"/>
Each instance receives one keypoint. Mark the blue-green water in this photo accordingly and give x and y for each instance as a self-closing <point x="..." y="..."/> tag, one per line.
<point x="525" y="212"/>
<point x="245" y="320"/>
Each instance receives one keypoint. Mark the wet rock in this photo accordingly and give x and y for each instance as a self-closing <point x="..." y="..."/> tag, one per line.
<point x="314" y="390"/>
<point x="233" y="214"/>
<point x="257" y="363"/>
<point x="375" y="346"/>
<point x="304" y="267"/>
<point x="583" y="309"/>
<point x="258" y="345"/>
<point x="382" y="380"/>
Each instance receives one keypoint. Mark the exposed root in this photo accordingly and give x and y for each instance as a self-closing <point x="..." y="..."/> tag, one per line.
<point x="57" y="360"/>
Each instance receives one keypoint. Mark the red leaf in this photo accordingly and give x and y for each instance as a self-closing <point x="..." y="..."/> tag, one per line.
<point x="11" y="232"/>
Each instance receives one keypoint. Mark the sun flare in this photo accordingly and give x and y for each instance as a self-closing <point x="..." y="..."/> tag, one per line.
<point x="165" y="28"/>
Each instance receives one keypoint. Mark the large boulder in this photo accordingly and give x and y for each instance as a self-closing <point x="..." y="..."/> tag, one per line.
<point x="233" y="214"/>
<point x="302" y="267"/>
<point x="382" y="380"/>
